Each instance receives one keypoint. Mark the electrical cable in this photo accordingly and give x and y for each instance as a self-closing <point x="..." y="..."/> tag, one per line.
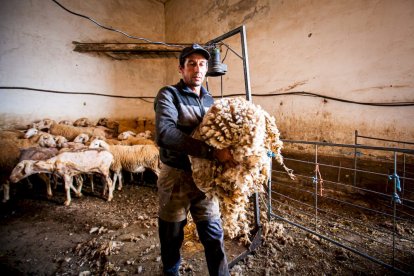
<point x="310" y="94"/>
<point x="144" y="98"/>
<point x="116" y="30"/>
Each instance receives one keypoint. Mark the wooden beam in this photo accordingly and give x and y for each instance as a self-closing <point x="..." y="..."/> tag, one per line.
<point x="130" y="50"/>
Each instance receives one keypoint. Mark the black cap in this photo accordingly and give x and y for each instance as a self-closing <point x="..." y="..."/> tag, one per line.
<point x="195" y="48"/>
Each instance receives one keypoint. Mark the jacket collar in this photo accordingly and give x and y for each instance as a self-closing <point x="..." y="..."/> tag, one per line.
<point x="187" y="90"/>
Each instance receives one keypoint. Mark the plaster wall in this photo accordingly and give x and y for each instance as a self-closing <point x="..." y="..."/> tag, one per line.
<point x="36" y="51"/>
<point x="361" y="51"/>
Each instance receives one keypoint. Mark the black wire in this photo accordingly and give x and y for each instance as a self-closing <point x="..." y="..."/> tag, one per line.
<point x="144" y="98"/>
<point x="115" y="30"/>
<point x="310" y="94"/>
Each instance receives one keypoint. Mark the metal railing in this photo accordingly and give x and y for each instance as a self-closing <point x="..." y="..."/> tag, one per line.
<point x="365" y="216"/>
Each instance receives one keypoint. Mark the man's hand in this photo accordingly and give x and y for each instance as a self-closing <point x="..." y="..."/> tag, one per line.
<point x="224" y="155"/>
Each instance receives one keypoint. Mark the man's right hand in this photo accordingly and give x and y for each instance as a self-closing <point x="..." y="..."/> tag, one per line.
<point x="224" y="156"/>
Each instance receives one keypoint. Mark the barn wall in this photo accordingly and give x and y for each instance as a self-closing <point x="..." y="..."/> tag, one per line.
<point x="36" y="51"/>
<point x="356" y="50"/>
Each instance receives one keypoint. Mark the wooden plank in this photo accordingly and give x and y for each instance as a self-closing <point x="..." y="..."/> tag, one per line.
<point x="126" y="47"/>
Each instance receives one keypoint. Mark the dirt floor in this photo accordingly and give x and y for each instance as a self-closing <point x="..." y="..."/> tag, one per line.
<point x="41" y="236"/>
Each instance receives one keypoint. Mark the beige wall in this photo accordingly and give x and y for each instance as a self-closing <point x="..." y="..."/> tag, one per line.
<point x="36" y="51"/>
<point x="356" y="50"/>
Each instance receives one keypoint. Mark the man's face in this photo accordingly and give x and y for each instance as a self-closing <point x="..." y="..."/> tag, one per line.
<point x="194" y="70"/>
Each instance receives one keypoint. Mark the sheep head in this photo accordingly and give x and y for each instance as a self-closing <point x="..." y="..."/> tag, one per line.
<point x="22" y="170"/>
<point x="97" y="143"/>
<point x="60" y="141"/>
<point x="47" y="140"/>
<point x="81" y="138"/>
<point x="126" y="134"/>
<point x="31" y="132"/>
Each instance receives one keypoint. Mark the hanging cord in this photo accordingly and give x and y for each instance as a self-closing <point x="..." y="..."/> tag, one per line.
<point x="395" y="196"/>
<point x="315" y="179"/>
<point x="271" y="154"/>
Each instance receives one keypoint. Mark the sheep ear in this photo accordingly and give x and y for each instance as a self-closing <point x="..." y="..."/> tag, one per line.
<point x="26" y="168"/>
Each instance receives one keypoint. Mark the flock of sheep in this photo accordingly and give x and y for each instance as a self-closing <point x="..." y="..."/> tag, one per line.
<point x="70" y="150"/>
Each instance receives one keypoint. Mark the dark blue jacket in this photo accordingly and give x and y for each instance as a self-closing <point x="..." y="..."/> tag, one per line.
<point x="178" y="111"/>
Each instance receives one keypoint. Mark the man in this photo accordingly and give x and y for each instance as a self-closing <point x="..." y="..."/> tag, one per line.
<point x="179" y="110"/>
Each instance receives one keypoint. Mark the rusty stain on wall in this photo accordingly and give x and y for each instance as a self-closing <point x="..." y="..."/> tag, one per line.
<point x="243" y="10"/>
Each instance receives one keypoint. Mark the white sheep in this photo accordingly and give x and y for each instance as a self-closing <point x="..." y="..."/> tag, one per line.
<point x="134" y="159"/>
<point x="250" y="133"/>
<point x="81" y="138"/>
<point x="68" y="164"/>
<point x="126" y="134"/>
<point x="60" y="141"/>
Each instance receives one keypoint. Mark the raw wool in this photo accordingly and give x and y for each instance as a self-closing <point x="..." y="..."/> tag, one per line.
<point x="250" y="133"/>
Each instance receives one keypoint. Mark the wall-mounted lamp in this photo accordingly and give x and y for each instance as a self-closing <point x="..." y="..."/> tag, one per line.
<point x="215" y="67"/>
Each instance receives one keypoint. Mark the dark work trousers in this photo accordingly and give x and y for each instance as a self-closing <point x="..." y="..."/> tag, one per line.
<point x="211" y="236"/>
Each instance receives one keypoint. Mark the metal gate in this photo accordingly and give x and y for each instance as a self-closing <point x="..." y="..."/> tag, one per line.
<point x="366" y="207"/>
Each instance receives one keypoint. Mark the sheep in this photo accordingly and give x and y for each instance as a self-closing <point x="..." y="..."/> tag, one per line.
<point x="66" y="122"/>
<point x="128" y="138"/>
<point x="31" y="132"/>
<point x="250" y="133"/>
<point x="9" y="157"/>
<point x="126" y="134"/>
<point x="60" y="141"/>
<point x="81" y="138"/>
<point x="70" y="132"/>
<point x="10" y="153"/>
<point x="11" y="134"/>
<point x="43" y="139"/>
<point x="39" y="153"/>
<point x="83" y="122"/>
<point x="68" y="164"/>
<point x="142" y="135"/>
<point x="130" y="158"/>
<point x="146" y="134"/>
<point x="43" y="124"/>
<point x="108" y="123"/>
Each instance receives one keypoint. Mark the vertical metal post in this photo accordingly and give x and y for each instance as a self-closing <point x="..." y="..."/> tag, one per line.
<point x="403" y="178"/>
<point x="245" y="63"/>
<point x="269" y="190"/>
<point x="394" y="201"/>
<point x="355" y="157"/>
<point x="316" y="188"/>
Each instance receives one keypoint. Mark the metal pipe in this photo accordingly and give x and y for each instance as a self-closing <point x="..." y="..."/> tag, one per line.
<point x="355" y="156"/>
<point x="387" y="140"/>
<point x="245" y="64"/>
<point x="350" y="146"/>
<point x="316" y="187"/>
<point x="269" y="190"/>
